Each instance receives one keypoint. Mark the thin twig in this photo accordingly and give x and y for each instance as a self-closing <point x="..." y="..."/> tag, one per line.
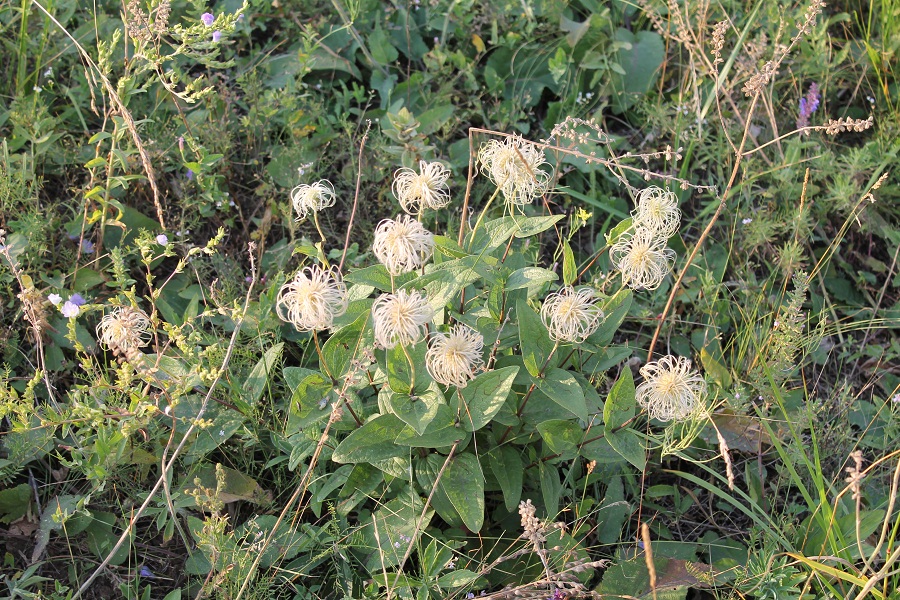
<point x="362" y="144"/>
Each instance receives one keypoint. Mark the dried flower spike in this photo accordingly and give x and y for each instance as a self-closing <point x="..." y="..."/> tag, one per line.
<point x="426" y="189"/>
<point x="400" y="318"/>
<point x="312" y="198"/>
<point x="571" y="316"/>
<point x="124" y="328"/>
<point x="514" y="165"/>
<point x="658" y="211"/>
<point x="313" y="299"/>
<point x="671" y="389"/>
<point x="642" y="258"/>
<point x="453" y="358"/>
<point x="402" y="245"/>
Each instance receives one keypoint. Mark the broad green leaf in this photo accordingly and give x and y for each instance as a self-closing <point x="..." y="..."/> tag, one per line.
<point x="373" y="441"/>
<point x="426" y="475"/>
<point x="86" y="279"/>
<point x="309" y="401"/>
<point x="620" y="404"/>
<point x="601" y="362"/>
<point x="561" y="436"/>
<point x="455" y="579"/>
<point x="570" y="270"/>
<point x="613" y="512"/>
<point x="444" y="281"/>
<point x="380" y="47"/>
<point x="531" y="278"/>
<point x="640" y="60"/>
<point x="715" y="369"/>
<point x="286" y="543"/>
<point x="377" y="276"/>
<point x="561" y="387"/>
<point x="628" y="444"/>
<point x="294" y="375"/>
<point x="14" y="502"/>
<point x="615" y="309"/>
<point x="613" y="235"/>
<point x="484" y="396"/>
<point x="463" y="483"/>
<point x="235" y="485"/>
<point x="534" y="339"/>
<point x="419" y="410"/>
<point x="386" y="532"/>
<point x="253" y="387"/>
<point x="442" y="432"/>
<point x="530" y="226"/>
<point x="400" y="373"/>
<point x="506" y="465"/>
<point x="551" y="487"/>
<point x="345" y="344"/>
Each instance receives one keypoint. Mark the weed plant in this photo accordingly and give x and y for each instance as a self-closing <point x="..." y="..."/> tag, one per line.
<point x="445" y="300"/>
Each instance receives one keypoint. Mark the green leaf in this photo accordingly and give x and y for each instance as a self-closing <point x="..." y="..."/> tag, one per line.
<point x="307" y="401"/>
<point x="253" y="387"/>
<point x="561" y="387"/>
<point x="530" y="277"/>
<point x="345" y="344"/>
<point x="463" y="483"/>
<point x="440" y="433"/>
<point x="533" y="338"/>
<point x="620" y="404"/>
<point x="628" y="444"/>
<point x="383" y="52"/>
<point x="485" y="395"/>
<point x="442" y="282"/>
<point x="390" y="525"/>
<point x="715" y="369"/>
<point x="417" y="411"/>
<point x="86" y="279"/>
<point x="399" y="372"/>
<point x="615" y="309"/>
<point x="456" y="579"/>
<point x="373" y="441"/>
<point x="613" y="235"/>
<point x="561" y="436"/>
<point x="14" y="502"/>
<point x="506" y="465"/>
<point x="377" y="277"/>
<point x="640" y="61"/>
<point x="551" y="487"/>
<point x="530" y="226"/>
<point x="570" y="270"/>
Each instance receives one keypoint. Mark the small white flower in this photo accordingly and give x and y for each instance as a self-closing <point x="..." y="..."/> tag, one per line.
<point x="402" y="245"/>
<point x="162" y="239"/>
<point x="657" y="210"/>
<point x="312" y="198"/>
<point x="54" y="299"/>
<point x="746" y="221"/>
<point x="400" y="318"/>
<point x="671" y="389"/>
<point x="453" y="359"/>
<point x="642" y="258"/>
<point x="313" y="299"/>
<point x="70" y="310"/>
<point x="571" y="316"/>
<point x="125" y="327"/>
<point x="426" y="189"/>
<point x="514" y="165"/>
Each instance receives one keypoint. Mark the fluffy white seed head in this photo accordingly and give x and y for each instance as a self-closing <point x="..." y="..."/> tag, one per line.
<point x="312" y="299"/>
<point x="124" y="328"/>
<point x="453" y="359"/>
<point x="315" y="197"/>
<point x="401" y="318"/>
<point x="514" y="165"/>
<point x="570" y="315"/>
<point x="402" y="245"/>
<point x="426" y="189"/>
<point x="657" y="210"/>
<point x="642" y="258"/>
<point x="671" y="389"/>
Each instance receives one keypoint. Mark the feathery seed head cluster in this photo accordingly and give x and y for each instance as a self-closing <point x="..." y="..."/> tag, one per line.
<point x="642" y="258"/>
<point x="454" y="358"/>
<point x="312" y="299"/>
<point x="426" y="189"/>
<point x="671" y="389"/>
<point x="315" y="197"/>
<point x="570" y="315"/>
<point x="124" y="328"/>
<point x="514" y="165"/>
<point x="658" y="211"/>
<point x="402" y="245"/>
<point x="400" y="318"/>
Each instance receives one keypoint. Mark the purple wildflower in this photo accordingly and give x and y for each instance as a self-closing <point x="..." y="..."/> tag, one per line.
<point x="189" y="174"/>
<point x="207" y="19"/>
<point x="145" y="572"/>
<point x="70" y="310"/>
<point x="55" y="299"/>
<point x="87" y="246"/>
<point x="217" y="35"/>
<point x="808" y="105"/>
<point x="77" y="300"/>
<point x="162" y="239"/>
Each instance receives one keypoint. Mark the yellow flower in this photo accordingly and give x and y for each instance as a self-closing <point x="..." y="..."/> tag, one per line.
<point x="658" y="211"/>
<point x="400" y="318"/>
<point x="514" y="165"/>
<point x="427" y="188"/>
<point x="312" y="198"/>
<point x="642" y="258"/>
<point x="313" y="299"/>
<point x="571" y="316"/>
<point x="402" y="245"/>
<point x="453" y="359"/>
<point x="671" y="390"/>
<point x="124" y="328"/>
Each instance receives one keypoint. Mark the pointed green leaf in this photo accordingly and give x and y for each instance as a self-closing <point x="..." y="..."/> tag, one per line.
<point x="255" y="384"/>
<point x="506" y="465"/>
<point x="484" y="396"/>
<point x="561" y="387"/>
<point x="627" y="443"/>
<point x="371" y="442"/>
<point x="561" y="436"/>
<point x="534" y="339"/>
<point x="620" y="404"/>
<point x="345" y="344"/>
<point x="570" y="270"/>
<point x="463" y="482"/>
<point x="417" y="411"/>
